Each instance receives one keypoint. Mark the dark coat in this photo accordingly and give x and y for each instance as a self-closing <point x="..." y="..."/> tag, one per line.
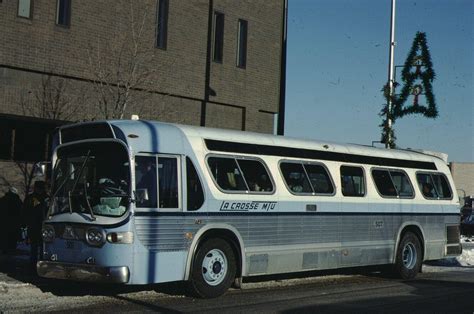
<point x="35" y="213"/>
<point x="11" y="210"/>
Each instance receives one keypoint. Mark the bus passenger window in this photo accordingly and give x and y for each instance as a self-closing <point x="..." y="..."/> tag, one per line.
<point x="168" y="182"/>
<point x="434" y="185"/>
<point x="442" y="186"/>
<point x="146" y="183"/>
<point x="402" y="184"/>
<point x="194" y="188"/>
<point x="384" y="183"/>
<point x="352" y="181"/>
<point x="255" y="175"/>
<point x="425" y="182"/>
<point x="227" y="174"/>
<point x="295" y="177"/>
<point x="320" y="179"/>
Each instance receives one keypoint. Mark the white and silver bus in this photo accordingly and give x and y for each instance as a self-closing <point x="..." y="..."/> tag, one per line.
<point x="139" y="202"/>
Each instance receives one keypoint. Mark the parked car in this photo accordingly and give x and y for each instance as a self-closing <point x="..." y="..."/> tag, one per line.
<point x="467" y="226"/>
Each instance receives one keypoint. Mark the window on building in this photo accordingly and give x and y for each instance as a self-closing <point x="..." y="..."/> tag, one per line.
<point x="218" y="37"/>
<point x="433" y="185"/>
<point x="6" y="142"/>
<point x="63" y="14"/>
<point x="162" y="23"/>
<point x="25" y="8"/>
<point x="195" y="193"/>
<point x="352" y="181"/>
<point x="240" y="175"/>
<point x="242" y="44"/>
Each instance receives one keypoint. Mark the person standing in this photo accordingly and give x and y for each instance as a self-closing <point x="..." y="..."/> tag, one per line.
<point x="13" y="207"/>
<point x="35" y="212"/>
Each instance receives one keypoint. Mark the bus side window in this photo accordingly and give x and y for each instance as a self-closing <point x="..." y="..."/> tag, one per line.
<point x="145" y="178"/>
<point x="426" y="185"/>
<point x="194" y="187"/>
<point x="434" y="185"/>
<point x="295" y="177"/>
<point x="402" y="183"/>
<point x="352" y="181"/>
<point x="442" y="186"/>
<point x="227" y="173"/>
<point x="319" y="178"/>
<point x="255" y="175"/>
<point x="384" y="183"/>
<point x="168" y="182"/>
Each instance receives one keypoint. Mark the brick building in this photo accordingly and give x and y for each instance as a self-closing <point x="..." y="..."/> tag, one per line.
<point x="213" y="63"/>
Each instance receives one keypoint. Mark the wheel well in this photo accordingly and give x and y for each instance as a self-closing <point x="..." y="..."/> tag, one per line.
<point x="230" y="238"/>
<point x="417" y="232"/>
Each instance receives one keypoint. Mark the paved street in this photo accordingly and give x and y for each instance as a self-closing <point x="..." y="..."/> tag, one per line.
<point x="440" y="288"/>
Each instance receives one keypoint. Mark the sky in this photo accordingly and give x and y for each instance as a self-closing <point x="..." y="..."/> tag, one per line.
<point x="337" y="64"/>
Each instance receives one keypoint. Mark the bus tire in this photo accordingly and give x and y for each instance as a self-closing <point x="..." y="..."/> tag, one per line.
<point x="408" y="259"/>
<point x="213" y="269"/>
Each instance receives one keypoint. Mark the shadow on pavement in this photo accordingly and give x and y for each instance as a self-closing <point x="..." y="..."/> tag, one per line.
<point x="15" y="267"/>
<point x="425" y="296"/>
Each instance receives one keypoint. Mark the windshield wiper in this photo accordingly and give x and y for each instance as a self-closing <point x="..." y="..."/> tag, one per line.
<point x="60" y="186"/>
<point x="87" y="202"/>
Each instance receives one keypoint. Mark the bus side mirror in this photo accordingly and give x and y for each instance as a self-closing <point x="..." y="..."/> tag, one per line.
<point x="141" y="195"/>
<point x="39" y="169"/>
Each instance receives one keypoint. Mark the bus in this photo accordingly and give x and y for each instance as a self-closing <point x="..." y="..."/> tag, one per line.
<point x="142" y="202"/>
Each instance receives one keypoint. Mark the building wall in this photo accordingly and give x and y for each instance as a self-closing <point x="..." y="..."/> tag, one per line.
<point x="463" y="175"/>
<point x="47" y="72"/>
<point x="101" y="31"/>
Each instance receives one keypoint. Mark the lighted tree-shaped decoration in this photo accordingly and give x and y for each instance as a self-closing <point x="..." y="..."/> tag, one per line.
<point x="417" y="76"/>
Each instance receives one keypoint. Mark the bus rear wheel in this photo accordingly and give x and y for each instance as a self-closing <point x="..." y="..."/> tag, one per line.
<point x="213" y="269"/>
<point x="408" y="260"/>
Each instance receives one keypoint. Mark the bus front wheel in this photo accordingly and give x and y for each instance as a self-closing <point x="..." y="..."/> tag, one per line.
<point x="408" y="260"/>
<point x="213" y="269"/>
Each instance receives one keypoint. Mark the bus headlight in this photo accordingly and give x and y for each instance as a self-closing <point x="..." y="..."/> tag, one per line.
<point x="48" y="233"/>
<point x="95" y="236"/>
<point x="120" y="237"/>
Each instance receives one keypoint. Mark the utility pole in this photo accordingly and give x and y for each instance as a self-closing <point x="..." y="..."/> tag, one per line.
<point x="391" y="77"/>
<point x="281" y="106"/>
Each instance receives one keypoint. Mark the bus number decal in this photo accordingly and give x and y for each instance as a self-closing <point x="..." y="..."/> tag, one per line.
<point x="378" y="224"/>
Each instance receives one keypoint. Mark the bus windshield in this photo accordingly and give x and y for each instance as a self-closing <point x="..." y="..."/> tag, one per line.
<point x="91" y="178"/>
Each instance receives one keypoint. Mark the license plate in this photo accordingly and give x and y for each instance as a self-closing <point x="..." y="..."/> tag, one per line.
<point x="69" y="245"/>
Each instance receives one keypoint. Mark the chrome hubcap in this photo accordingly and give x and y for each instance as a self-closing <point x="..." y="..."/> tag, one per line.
<point x="214" y="267"/>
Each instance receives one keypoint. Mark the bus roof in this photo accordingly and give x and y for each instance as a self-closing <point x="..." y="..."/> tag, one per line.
<point x="151" y="132"/>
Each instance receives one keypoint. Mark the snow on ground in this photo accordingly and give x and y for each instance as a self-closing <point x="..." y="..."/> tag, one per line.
<point x="463" y="262"/>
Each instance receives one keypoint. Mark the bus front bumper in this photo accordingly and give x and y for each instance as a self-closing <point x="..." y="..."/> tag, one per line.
<point x="81" y="272"/>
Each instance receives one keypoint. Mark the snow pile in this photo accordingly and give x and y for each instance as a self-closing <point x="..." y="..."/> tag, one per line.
<point x="466" y="259"/>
